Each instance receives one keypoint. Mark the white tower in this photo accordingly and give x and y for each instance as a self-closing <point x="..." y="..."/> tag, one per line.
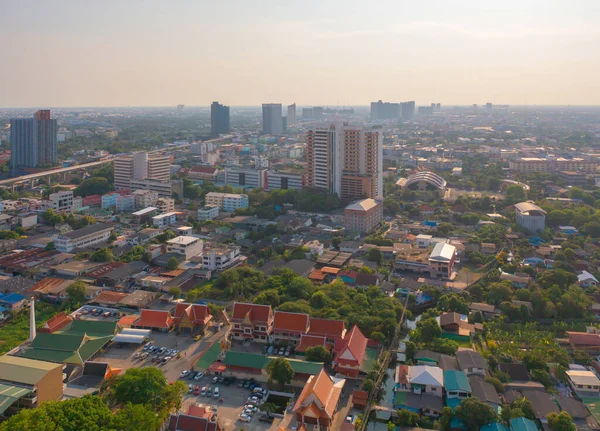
<point x="32" y="320"/>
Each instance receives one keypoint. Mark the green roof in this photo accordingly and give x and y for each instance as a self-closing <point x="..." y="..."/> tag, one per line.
<point x="305" y="367"/>
<point x="243" y="359"/>
<point x="523" y="424"/>
<point x="10" y="394"/>
<point x="61" y="342"/>
<point x="207" y="357"/>
<point x="22" y="370"/>
<point x="65" y="349"/>
<point x="495" y="426"/>
<point x="91" y="328"/>
<point x="456" y="381"/>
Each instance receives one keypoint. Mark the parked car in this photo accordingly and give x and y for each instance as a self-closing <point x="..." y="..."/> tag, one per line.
<point x="215" y="379"/>
<point x="184" y="374"/>
<point x="209" y="392"/>
<point x="199" y="376"/>
<point x="281" y="351"/>
<point x="266" y="418"/>
<point x="271" y="349"/>
<point x="190" y="389"/>
<point x="162" y="349"/>
<point x="247" y="383"/>
<point x="203" y="391"/>
<point x="245" y="418"/>
<point x="136" y="355"/>
<point x="197" y="390"/>
<point x="216" y="392"/>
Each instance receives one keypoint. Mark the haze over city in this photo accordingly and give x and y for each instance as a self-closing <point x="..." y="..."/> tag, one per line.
<point x="339" y="52"/>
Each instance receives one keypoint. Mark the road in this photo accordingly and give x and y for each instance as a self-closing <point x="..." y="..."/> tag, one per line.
<point x="53" y="172"/>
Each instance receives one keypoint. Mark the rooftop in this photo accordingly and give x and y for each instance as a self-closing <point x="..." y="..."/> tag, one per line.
<point x="184" y="240"/>
<point x="363" y="205"/>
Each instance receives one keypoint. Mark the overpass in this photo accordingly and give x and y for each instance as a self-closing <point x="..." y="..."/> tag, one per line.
<point x="32" y="177"/>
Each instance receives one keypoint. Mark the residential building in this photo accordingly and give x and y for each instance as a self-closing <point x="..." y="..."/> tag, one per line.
<point x="33" y="142"/>
<point x="407" y="110"/>
<point x="307" y="113"/>
<point x="441" y="260"/>
<point x="319" y="400"/>
<point x="187" y="246"/>
<point x="164" y="188"/>
<point x="219" y="119"/>
<point x="485" y="392"/>
<point x="220" y="257"/>
<point x="291" y="115"/>
<point x="165" y="205"/>
<point x="279" y="180"/>
<point x="226" y="201"/>
<point x="125" y="203"/>
<point x="347" y="160"/>
<point x="27" y="383"/>
<point x="315" y="248"/>
<point x="419" y="379"/>
<point x="385" y="111"/>
<point x="206" y="174"/>
<point x="243" y="177"/>
<point x="530" y="217"/>
<point x="109" y="200"/>
<point x="350" y="352"/>
<point x="208" y="213"/>
<point x="585" y="279"/>
<point x="140" y="166"/>
<point x="159" y="167"/>
<point x="456" y="385"/>
<point x="145" y="198"/>
<point x="471" y="362"/>
<point x="251" y="321"/>
<point x="192" y="317"/>
<point x="272" y="122"/>
<point x="289" y="327"/>
<point x="84" y="237"/>
<point x="59" y="202"/>
<point x="584" y="383"/>
<point x="166" y="219"/>
<point x="363" y="216"/>
<point x="535" y="164"/>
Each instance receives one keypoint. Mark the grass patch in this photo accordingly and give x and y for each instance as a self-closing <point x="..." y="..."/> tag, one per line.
<point x="16" y="331"/>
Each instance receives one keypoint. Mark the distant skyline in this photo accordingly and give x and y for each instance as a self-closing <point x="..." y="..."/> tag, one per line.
<point x="68" y="53"/>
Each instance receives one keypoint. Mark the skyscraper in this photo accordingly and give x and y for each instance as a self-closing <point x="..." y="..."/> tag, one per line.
<point x="408" y="110"/>
<point x="272" y="119"/>
<point x="347" y="160"/>
<point x="219" y="119"/>
<point x="384" y="110"/>
<point x="291" y="115"/>
<point x="33" y="141"/>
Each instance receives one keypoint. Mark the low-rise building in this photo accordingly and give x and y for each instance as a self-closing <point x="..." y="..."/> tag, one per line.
<point x="208" y="213"/>
<point x="166" y="219"/>
<point x="164" y="188"/>
<point x="251" y="321"/>
<point x="584" y="383"/>
<point x="441" y="260"/>
<point x="227" y="202"/>
<point x="145" y="198"/>
<point x="187" y="246"/>
<point x="530" y="217"/>
<point x="289" y="327"/>
<point x="125" y="203"/>
<point x="85" y="237"/>
<point x="165" y="205"/>
<point x="319" y="400"/>
<point x="279" y="180"/>
<point x="220" y="257"/>
<point x="363" y="216"/>
<point x="419" y="379"/>
<point x="471" y="362"/>
<point x="59" y="202"/>
<point x="350" y="353"/>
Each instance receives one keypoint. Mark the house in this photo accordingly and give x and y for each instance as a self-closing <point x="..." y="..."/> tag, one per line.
<point x="333" y="330"/>
<point x="431" y="405"/>
<point x="517" y="372"/>
<point x="458" y="325"/>
<point x="590" y="342"/>
<point x="13" y="301"/>
<point x="157" y="320"/>
<point x="253" y="321"/>
<point x="307" y="341"/>
<point x="518" y="280"/>
<point x="192" y="317"/>
<point x="289" y="327"/>
<point x="419" y="379"/>
<point x="441" y="260"/>
<point x="445" y="362"/>
<point x="319" y="400"/>
<point x="350" y="352"/>
<point x="530" y="216"/>
<point x="456" y="385"/>
<point x="585" y="279"/>
<point x="584" y="383"/>
<point x="542" y="404"/>
<point x="471" y="362"/>
<point x="197" y="418"/>
<point x="485" y="392"/>
<point x="522" y="424"/>
<point x="487" y="311"/>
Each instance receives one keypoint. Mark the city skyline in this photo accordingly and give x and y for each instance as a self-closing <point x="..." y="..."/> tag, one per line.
<point x="517" y="53"/>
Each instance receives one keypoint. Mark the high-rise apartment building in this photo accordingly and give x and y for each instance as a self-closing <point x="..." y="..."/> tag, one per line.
<point x="291" y="115"/>
<point x="139" y="166"/>
<point x="307" y="113"/>
<point x="272" y="121"/>
<point x="347" y="160"/>
<point x="219" y="119"/>
<point x="33" y="141"/>
<point x="384" y="111"/>
<point x="408" y="110"/>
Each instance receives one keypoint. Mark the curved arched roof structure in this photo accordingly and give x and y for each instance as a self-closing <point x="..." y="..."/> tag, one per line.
<point x="427" y="177"/>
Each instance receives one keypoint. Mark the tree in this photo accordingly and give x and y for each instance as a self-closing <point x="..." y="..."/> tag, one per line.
<point x="280" y="370"/>
<point x="561" y="422"/>
<point x="175" y="292"/>
<point x="268" y="408"/>
<point x="446" y="418"/>
<point x="374" y="255"/>
<point x="94" y="186"/>
<point x="318" y="354"/>
<point x="172" y="264"/>
<point x="76" y="292"/>
<point x="427" y="330"/>
<point x="377" y="336"/>
<point x="136" y="417"/>
<point x="474" y="413"/>
<point x="406" y="418"/>
<point x="102" y="255"/>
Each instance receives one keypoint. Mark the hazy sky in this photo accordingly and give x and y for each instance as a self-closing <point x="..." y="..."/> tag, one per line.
<point x="165" y="52"/>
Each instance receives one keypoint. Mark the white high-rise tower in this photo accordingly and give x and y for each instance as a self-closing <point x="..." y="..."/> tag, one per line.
<point x="32" y="333"/>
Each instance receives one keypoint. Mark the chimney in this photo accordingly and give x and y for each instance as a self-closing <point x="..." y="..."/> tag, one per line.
<point x="32" y="320"/>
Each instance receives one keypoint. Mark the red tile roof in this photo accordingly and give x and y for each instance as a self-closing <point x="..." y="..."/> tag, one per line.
<point x="254" y="312"/>
<point x="290" y="322"/>
<point x="327" y="328"/>
<point x="56" y="323"/>
<point x="109" y="297"/>
<point x="197" y="313"/>
<point x="356" y="343"/>
<point x="323" y="388"/>
<point x="154" y="319"/>
<point x="307" y="341"/>
<point x="583" y="339"/>
<point x="183" y="422"/>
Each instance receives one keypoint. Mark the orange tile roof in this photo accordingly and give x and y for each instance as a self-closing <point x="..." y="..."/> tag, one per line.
<point x="47" y="284"/>
<point x="109" y="297"/>
<point x="290" y="322"/>
<point x="307" y="341"/>
<point x="197" y="313"/>
<point x="56" y="322"/>
<point x="127" y="321"/>
<point x="326" y="392"/>
<point x="317" y="275"/>
<point x="254" y="312"/>
<point x="326" y="327"/>
<point x="356" y="343"/>
<point x="173" y="273"/>
<point x="360" y="396"/>
<point x="155" y="319"/>
<point x="330" y="270"/>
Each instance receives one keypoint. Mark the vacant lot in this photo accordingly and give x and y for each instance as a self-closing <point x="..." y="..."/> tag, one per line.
<point x="16" y="331"/>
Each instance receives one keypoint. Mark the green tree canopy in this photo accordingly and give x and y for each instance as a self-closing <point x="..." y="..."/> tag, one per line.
<point x="475" y="413"/>
<point x="280" y="370"/>
<point x="318" y="354"/>
<point x="561" y="422"/>
<point x="172" y="264"/>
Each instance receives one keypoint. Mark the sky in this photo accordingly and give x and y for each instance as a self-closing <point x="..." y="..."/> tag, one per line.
<point x="65" y="53"/>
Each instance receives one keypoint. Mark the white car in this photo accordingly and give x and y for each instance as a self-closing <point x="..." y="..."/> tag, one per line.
<point x="245" y="418"/>
<point x="184" y="374"/>
<point x="199" y="376"/>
